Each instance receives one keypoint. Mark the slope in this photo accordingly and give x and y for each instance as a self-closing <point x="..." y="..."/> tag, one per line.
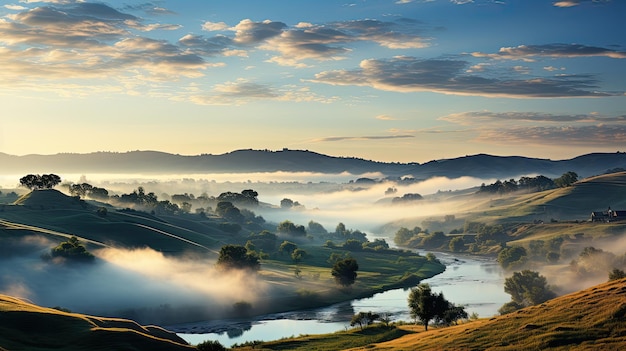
<point x="25" y="326"/>
<point x="591" y="319"/>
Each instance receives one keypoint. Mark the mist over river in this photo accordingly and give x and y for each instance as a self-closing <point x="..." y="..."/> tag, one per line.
<point x="474" y="282"/>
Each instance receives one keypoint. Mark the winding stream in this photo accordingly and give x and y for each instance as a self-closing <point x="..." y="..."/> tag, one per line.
<point x="474" y="282"/>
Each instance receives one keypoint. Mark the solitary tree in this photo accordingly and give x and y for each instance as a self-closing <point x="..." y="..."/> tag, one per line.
<point x="527" y="288"/>
<point x="426" y="305"/>
<point x="344" y="271"/>
<point x="36" y="181"/>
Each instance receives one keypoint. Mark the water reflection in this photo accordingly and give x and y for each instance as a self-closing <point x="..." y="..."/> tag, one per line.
<point x="475" y="283"/>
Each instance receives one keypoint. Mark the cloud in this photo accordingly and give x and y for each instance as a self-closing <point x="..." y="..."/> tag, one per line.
<point x="15" y="7"/>
<point x="360" y="138"/>
<point x="538" y="128"/>
<point x="595" y="135"/>
<point x="243" y="91"/>
<point x="249" y="32"/>
<point x="410" y="74"/>
<point x="572" y="3"/>
<point x="482" y="117"/>
<point x="528" y="52"/>
<point x="214" y="26"/>
<point x="386" y="118"/>
<point x="331" y="41"/>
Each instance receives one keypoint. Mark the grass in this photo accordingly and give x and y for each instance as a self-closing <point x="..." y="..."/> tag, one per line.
<point x="332" y="342"/>
<point x="24" y="326"/>
<point x="591" y="319"/>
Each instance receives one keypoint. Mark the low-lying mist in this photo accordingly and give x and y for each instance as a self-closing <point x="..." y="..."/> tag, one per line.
<point x="140" y="284"/>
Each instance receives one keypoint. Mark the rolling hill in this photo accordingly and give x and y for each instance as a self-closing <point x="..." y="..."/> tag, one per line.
<point x="25" y="326"/>
<point x="591" y="319"/>
<point x="245" y="161"/>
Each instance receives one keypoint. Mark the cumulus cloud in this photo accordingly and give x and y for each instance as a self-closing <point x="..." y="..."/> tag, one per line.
<point x="528" y="52"/>
<point x="410" y="74"/>
<point x="330" y="41"/>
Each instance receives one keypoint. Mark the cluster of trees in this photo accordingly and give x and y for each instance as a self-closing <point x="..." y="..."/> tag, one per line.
<point x="406" y="198"/>
<point x="73" y="250"/>
<point x="86" y="189"/>
<point x="238" y="257"/>
<point x="529" y="184"/>
<point x="592" y="261"/>
<point x="426" y="305"/>
<point x="36" y="181"/>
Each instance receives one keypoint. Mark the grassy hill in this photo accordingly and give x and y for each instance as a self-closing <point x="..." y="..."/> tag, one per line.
<point x="25" y="326"/>
<point x="591" y="319"/>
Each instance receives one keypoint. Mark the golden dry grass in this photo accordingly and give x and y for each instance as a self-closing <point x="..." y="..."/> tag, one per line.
<point x="25" y="326"/>
<point x="591" y="319"/>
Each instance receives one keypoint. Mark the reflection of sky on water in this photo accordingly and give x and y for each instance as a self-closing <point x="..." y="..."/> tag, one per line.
<point x="475" y="283"/>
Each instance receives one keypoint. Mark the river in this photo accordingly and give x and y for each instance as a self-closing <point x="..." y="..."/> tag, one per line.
<point x="474" y="282"/>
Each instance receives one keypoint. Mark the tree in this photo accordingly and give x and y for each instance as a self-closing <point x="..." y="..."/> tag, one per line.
<point x="237" y="257"/>
<point x="457" y="244"/>
<point x="567" y="179"/>
<point x="288" y="227"/>
<point x="286" y="203"/>
<point x="344" y="271"/>
<point x="527" y="288"/>
<point x="616" y="274"/>
<point x="298" y="255"/>
<point x="210" y="345"/>
<point x="287" y="246"/>
<point x="36" y="181"/>
<point x="512" y="257"/>
<point x="364" y="319"/>
<point x="72" y="249"/>
<point x="426" y="305"/>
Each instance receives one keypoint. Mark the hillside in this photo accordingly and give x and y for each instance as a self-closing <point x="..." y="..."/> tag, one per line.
<point x="244" y="161"/>
<point x="25" y="326"/>
<point x="591" y="319"/>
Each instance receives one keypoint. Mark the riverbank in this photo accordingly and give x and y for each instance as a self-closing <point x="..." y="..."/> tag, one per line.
<point x="473" y="282"/>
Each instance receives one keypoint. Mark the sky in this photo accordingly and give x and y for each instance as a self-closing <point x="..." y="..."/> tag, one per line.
<point x="384" y="80"/>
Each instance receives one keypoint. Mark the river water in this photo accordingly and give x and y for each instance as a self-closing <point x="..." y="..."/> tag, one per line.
<point x="474" y="282"/>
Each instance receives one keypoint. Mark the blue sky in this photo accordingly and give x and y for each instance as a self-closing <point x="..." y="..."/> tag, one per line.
<point x="387" y="80"/>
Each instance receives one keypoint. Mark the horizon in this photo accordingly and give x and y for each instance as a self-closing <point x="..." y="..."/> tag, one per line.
<point x="386" y="80"/>
<point x="314" y="152"/>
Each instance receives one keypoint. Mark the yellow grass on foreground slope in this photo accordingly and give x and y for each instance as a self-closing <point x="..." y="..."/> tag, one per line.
<point x="24" y="326"/>
<point x="591" y="319"/>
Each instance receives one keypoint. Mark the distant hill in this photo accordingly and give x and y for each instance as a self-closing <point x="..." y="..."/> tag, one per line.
<point x="591" y="319"/>
<point x="241" y="161"/>
<point x="25" y="326"/>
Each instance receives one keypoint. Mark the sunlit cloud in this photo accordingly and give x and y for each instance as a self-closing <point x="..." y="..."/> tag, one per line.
<point x="15" y="7"/>
<point x="386" y="118"/>
<point x="243" y="91"/>
<point x="410" y="74"/>
<point x="572" y="3"/>
<point x="214" y="26"/>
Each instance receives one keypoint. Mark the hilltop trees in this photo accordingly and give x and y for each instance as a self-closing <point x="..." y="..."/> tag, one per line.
<point x="36" y="181"/>
<point x="72" y="249"/>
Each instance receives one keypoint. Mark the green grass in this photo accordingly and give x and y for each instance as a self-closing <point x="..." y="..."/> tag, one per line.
<point x="332" y="342"/>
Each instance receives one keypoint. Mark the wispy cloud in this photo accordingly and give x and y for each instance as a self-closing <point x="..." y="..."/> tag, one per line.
<point x="572" y="3"/>
<point x="386" y="118"/>
<point x="482" y="117"/>
<point x="528" y="52"/>
<point x="361" y="138"/>
<point x="410" y="74"/>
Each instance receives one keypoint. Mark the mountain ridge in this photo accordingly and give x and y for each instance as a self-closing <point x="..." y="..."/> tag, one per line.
<point x="287" y="160"/>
